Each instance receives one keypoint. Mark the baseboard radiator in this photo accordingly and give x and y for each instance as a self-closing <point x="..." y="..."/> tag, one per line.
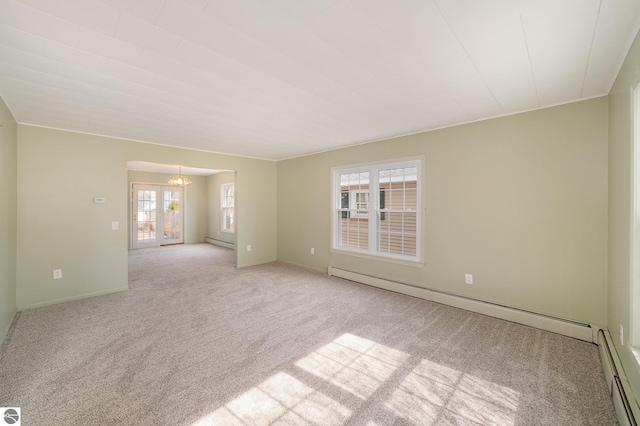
<point x="557" y="325"/>
<point x="623" y="398"/>
<point x="220" y="243"/>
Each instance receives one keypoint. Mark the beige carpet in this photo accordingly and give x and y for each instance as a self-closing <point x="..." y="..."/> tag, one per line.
<point x="197" y="342"/>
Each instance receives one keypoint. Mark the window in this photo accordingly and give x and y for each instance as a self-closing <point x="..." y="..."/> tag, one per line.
<point x="227" y="204"/>
<point x="359" y="203"/>
<point x="377" y="210"/>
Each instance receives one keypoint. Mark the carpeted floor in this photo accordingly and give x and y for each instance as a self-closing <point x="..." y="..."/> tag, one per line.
<point x="197" y="342"/>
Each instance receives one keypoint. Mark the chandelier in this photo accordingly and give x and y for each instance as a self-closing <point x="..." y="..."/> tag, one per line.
<point x="179" y="180"/>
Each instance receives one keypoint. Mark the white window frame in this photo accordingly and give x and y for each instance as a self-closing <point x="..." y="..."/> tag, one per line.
<point x="634" y="333"/>
<point x="374" y="201"/>
<point x="224" y="208"/>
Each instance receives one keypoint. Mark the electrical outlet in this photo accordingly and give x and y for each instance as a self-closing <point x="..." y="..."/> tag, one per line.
<point x="115" y="225"/>
<point x="249" y="247"/>
<point x="313" y="251"/>
<point x="57" y="274"/>
<point x="621" y="335"/>
<point x="468" y="279"/>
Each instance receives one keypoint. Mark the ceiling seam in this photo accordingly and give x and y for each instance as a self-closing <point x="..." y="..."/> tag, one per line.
<point x="526" y="43"/>
<point x="593" y="37"/>
<point x="469" y="57"/>
<point x="155" y="22"/>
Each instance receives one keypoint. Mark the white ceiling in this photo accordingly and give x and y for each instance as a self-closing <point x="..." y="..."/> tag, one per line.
<point x="144" y="166"/>
<point x="276" y="79"/>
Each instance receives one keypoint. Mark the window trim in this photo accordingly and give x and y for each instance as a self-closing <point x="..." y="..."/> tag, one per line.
<point x="632" y="338"/>
<point x="223" y="208"/>
<point x="374" y="199"/>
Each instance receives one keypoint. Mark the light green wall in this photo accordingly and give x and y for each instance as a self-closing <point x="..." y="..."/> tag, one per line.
<point x="197" y="202"/>
<point x="520" y="202"/>
<point x="8" y="195"/>
<point x="215" y="216"/>
<point x="620" y="185"/>
<point x="59" y="226"/>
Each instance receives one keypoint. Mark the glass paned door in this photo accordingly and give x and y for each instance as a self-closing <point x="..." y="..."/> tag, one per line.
<point x="146" y="215"/>
<point x="172" y="215"/>
<point x="157" y="217"/>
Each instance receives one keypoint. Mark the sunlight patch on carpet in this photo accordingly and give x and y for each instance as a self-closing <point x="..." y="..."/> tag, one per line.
<point x="432" y="391"/>
<point x="280" y="399"/>
<point x="429" y="393"/>
<point x="354" y="364"/>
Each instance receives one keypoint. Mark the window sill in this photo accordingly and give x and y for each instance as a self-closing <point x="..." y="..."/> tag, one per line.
<point x="227" y="232"/>
<point x="412" y="263"/>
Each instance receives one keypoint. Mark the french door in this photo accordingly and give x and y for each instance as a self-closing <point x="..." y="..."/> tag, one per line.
<point x="157" y="217"/>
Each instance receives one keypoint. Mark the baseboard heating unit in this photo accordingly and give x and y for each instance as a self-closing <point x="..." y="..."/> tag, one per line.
<point x="220" y="243"/>
<point x="619" y="389"/>
<point x="556" y="325"/>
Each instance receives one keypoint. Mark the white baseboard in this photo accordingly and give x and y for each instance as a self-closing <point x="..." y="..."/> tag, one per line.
<point x="299" y="265"/>
<point x="5" y="332"/>
<point x="556" y="325"/>
<point x="620" y="390"/>
<point x="257" y="263"/>
<point x="220" y="243"/>
<point x="68" y="299"/>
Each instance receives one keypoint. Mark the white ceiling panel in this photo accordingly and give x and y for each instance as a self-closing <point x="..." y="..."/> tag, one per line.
<point x="285" y="78"/>
<point x="106" y="46"/>
<point x="21" y="73"/>
<point x="304" y="12"/>
<point x="93" y="63"/>
<point x="401" y="18"/>
<point x="17" y="39"/>
<point x="423" y="40"/>
<point x="198" y="4"/>
<point x="163" y="65"/>
<point x="145" y="35"/>
<point x="87" y="13"/>
<point x="38" y="23"/>
<point x="148" y="10"/>
<point x="251" y="17"/>
<point x="144" y="166"/>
